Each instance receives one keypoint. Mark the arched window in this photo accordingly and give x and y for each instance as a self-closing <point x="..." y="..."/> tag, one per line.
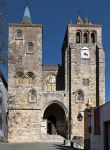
<point x="19" y="33"/>
<point x="86" y="37"/>
<point x="93" y="37"/>
<point x="78" y="37"/>
<point x="19" y="78"/>
<point x="50" y="83"/>
<point x="30" y="77"/>
<point x="79" y="96"/>
<point x="30" y="47"/>
<point x="32" y="96"/>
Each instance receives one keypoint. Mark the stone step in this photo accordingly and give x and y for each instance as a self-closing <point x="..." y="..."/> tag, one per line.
<point x="51" y="139"/>
<point x="74" y="144"/>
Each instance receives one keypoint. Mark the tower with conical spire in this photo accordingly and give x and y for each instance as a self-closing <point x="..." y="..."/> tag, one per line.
<point x="24" y="79"/>
<point x="27" y="16"/>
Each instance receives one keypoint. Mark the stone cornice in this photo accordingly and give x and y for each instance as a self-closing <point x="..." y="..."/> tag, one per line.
<point x="84" y="25"/>
<point x="46" y="67"/>
<point x="24" y="25"/>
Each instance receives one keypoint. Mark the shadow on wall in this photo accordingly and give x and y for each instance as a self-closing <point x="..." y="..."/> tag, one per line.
<point x="62" y="147"/>
<point x="60" y="79"/>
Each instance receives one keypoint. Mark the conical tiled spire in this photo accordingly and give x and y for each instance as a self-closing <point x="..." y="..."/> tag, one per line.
<point x="27" y="16"/>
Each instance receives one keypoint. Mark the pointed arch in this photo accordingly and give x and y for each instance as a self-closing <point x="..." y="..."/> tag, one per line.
<point x="19" y="76"/>
<point x="56" y="115"/>
<point x="56" y="102"/>
<point x="30" y="74"/>
<point x="30" y="77"/>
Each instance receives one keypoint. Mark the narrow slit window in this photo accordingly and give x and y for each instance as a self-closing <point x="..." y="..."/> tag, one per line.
<point x="78" y="37"/>
<point x="19" y="33"/>
<point x="93" y="38"/>
<point x="79" y="96"/>
<point x="32" y="96"/>
<point x="30" y="47"/>
<point x="85" y="38"/>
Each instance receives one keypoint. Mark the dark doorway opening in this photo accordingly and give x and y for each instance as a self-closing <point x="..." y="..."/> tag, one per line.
<point x="56" y="120"/>
<point x="51" y="125"/>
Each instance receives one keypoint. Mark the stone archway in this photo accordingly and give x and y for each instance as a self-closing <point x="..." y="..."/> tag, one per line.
<point x="56" y="120"/>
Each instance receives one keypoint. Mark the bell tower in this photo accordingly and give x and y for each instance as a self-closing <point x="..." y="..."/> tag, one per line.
<point x="84" y="69"/>
<point x="24" y="79"/>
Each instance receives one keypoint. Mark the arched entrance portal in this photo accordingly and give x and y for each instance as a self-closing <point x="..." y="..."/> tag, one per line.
<point x="56" y="120"/>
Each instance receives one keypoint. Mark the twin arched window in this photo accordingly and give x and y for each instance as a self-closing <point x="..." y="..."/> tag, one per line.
<point x="50" y="83"/>
<point x="32" y="96"/>
<point x="85" y="37"/>
<point x="21" y="78"/>
<point x="79" y="96"/>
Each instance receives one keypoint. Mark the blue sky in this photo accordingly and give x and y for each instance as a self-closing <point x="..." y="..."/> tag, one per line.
<point x="55" y="16"/>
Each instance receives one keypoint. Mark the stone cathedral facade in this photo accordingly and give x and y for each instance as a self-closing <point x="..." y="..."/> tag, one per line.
<point x="46" y="99"/>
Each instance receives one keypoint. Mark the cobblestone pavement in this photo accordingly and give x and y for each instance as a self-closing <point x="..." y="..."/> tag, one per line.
<point x="33" y="146"/>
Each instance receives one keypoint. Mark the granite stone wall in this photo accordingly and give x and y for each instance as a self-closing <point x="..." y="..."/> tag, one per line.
<point x="26" y="122"/>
